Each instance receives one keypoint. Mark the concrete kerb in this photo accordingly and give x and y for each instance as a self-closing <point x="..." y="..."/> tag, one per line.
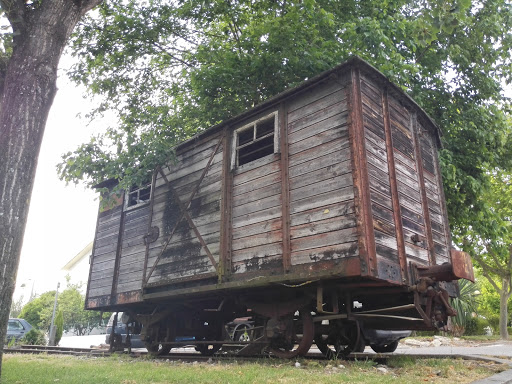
<point x="499" y="378"/>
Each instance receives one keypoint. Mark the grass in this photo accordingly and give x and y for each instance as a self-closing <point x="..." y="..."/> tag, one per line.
<point x="122" y="369"/>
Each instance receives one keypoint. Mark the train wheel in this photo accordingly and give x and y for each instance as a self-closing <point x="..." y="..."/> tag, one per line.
<point x="297" y="337"/>
<point x="243" y="333"/>
<point x="348" y="339"/>
<point x="158" y="349"/>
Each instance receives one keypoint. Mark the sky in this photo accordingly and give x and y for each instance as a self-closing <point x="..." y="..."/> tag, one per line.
<point x="62" y="219"/>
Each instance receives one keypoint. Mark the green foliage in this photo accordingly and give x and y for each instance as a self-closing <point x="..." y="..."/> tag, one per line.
<point x="59" y="324"/>
<point x="70" y="302"/>
<point x="38" y="312"/>
<point x="475" y="326"/>
<point x="465" y="304"/>
<point x="34" y="337"/>
<point x="198" y="63"/>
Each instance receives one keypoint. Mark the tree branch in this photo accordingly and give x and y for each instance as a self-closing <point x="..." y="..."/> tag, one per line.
<point x="87" y="5"/>
<point x="15" y="13"/>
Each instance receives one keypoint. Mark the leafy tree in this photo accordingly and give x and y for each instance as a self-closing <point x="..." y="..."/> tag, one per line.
<point x="16" y="307"/>
<point x="37" y="32"/>
<point x="38" y="312"/>
<point x="490" y="241"/>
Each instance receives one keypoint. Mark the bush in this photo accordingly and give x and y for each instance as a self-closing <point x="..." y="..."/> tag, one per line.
<point x="476" y="326"/>
<point x="34" y="337"/>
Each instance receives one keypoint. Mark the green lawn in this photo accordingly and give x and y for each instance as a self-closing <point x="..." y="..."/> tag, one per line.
<point x="122" y="369"/>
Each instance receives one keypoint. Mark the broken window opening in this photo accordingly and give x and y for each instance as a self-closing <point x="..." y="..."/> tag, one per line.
<point x="256" y="140"/>
<point x="138" y="195"/>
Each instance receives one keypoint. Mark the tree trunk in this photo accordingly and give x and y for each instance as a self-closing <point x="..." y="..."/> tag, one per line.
<point x="504" y="296"/>
<point x="28" y="91"/>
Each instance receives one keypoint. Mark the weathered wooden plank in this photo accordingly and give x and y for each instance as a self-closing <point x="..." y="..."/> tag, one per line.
<point x="317" y="255"/>
<point x="411" y="204"/>
<point x="340" y="133"/>
<point x="320" y="102"/>
<point x="376" y="116"/>
<point x="401" y="144"/>
<point x="382" y="212"/>
<point x="317" y="117"/>
<point x="192" y="159"/>
<point x="382" y="199"/>
<point x="431" y="195"/>
<point x="385" y="240"/>
<point x="107" y="240"/>
<point x="377" y="162"/>
<point x="406" y="213"/>
<point x="189" y="182"/>
<point x="405" y="170"/>
<point x="336" y="122"/>
<point x="386" y="253"/>
<point x="262" y="238"/>
<point x="103" y="266"/>
<point x="374" y="139"/>
<point x="379" y="186"/>
<point x="322" y="90"/>
<point x="377" y="151"/>
<point x="109" y="248"/>
<point x="371" y="104"/>
<point x="273" y="178"/>
<point x="323" y="212"/>
<point x="374" y="126"/>
<point x="336" y="183"/>
<point x="338" y="169"/>
<point x="406" y="190"/>
<point x="336" y="196"/>
<point x="261" y="191"/>
<point x="261" y="251"/>
<point x="261" y="228"/>
<point x="257" y="217"/>
<point x="256" y="205"/>
<point x="322" y="226"/>
<point x="316" y="158"/>
<point x="413" y="226"/>
<point x="417" y="252"/>
<point x="255" y="173"/>
<point x="257" y="264"/>
<point x="95" y="292"/>
<point x="103" y="257"/>
<point x="384" y="226"/>
<point x="185" y="169"/>
<point x="324" y="239"/>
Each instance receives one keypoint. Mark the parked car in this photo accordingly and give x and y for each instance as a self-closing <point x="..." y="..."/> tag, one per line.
<point x="16" y="329"/>
<point x="121" y="331"/>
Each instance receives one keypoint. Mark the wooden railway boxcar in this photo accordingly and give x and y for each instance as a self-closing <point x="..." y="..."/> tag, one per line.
<point x="336" y="182"/>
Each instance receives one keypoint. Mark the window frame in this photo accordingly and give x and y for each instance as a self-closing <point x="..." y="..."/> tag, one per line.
<point x="127" y="206"/>
<point x="253" y="125"/>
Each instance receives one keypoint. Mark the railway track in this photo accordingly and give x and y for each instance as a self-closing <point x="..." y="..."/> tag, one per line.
<point x="189" y="354"/>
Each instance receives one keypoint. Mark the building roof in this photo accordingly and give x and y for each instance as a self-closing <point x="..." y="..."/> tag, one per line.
<point x="75" y="260"/>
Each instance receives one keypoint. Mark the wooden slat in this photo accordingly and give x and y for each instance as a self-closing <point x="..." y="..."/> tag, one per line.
<point x="347" y="235"/>
<point x="319" y="116"/>
<point x="335" y="122"/>
<point x="320" y="139"/>
<point x="333" y="252"/>
<point x="322" y="212"/>
<point x="336" y="196"/>
<point x="323" y="226"/>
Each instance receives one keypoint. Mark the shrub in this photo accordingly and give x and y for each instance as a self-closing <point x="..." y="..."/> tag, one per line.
<point x="476" y="326"/>
<point x="34" y="337"/>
